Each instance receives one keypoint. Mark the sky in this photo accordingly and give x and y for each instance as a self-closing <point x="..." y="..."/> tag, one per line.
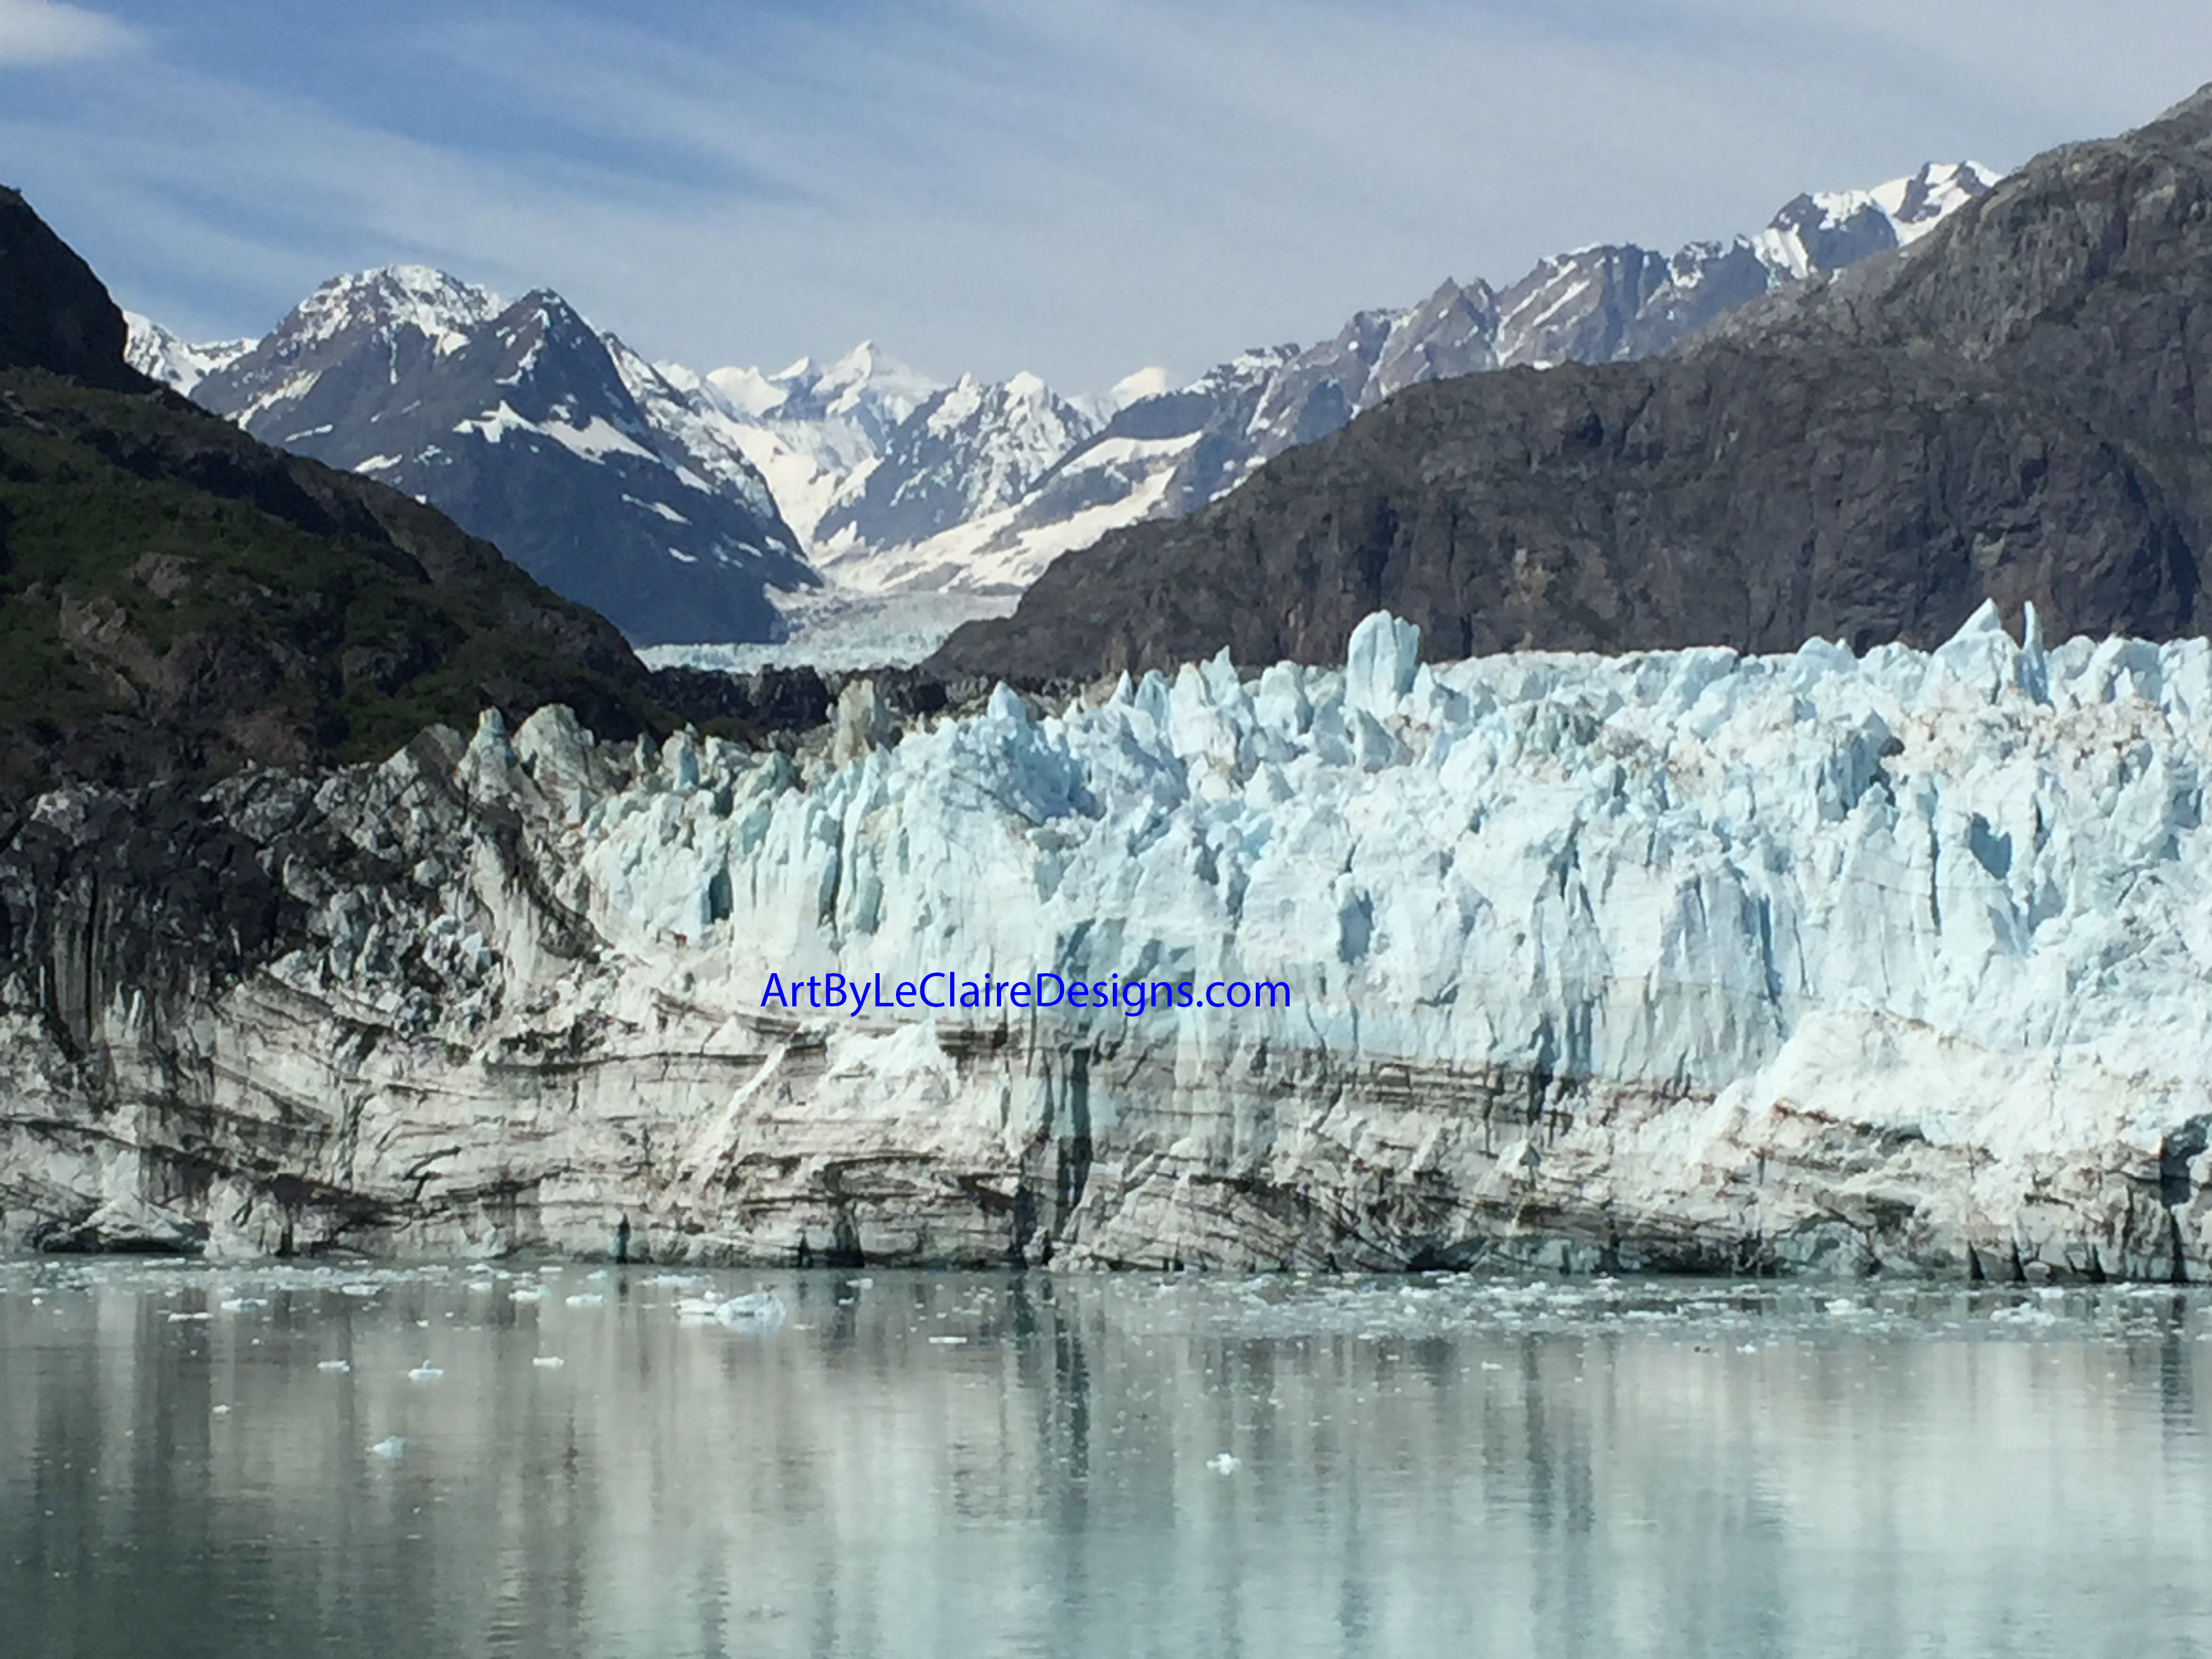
<point x="1075" y="187"/>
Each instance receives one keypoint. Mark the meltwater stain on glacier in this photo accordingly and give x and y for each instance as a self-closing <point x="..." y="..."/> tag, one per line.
<point x="1682" y="959"/>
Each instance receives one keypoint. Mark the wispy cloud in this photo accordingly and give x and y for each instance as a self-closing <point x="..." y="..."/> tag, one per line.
<point x="48" y="32"/>
<point x="990" y="184"/>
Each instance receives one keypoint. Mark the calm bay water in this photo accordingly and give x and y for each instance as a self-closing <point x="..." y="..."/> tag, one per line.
<point x="966" y="1464"/>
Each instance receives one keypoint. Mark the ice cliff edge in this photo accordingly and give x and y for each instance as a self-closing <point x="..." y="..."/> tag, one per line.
<point x="1674" y="959"/>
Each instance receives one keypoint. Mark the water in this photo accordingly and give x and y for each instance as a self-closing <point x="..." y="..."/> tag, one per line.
<point x="981" y="1465"/>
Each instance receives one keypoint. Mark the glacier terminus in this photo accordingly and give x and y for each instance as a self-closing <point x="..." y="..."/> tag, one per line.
<point x="1678" y="960"/>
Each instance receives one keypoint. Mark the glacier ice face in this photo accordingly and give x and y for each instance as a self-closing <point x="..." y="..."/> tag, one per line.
<point x="1682" y="959"/>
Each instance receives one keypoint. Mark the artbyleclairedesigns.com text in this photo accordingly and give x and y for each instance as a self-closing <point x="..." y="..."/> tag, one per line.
<point x="943" y="991"/>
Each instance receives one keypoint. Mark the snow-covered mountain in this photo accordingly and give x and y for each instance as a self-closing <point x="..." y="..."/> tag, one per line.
<point x="967" y="450"/>
<point x="892" y="482"/>
<point x="810" y="431"/>
<point x="1172" y="452"/>
<point x="530" y="430"/>
<point x="172" y="360"/>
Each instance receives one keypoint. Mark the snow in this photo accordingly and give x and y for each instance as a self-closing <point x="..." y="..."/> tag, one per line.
<point x="155" y="352"/>
<point x="660" y="509"/>
<point x="1966" y="892"/>
<point x="595" y="440"/>
<point x="810" y="434"/>
<point x="440" y="307"/>
<point x="494" y="424"/>
<point x="1006" y="551"/>
<point x="1151" y="382"/>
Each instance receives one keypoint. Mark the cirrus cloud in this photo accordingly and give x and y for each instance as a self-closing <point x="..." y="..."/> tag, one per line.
<point x="50" y="32"/>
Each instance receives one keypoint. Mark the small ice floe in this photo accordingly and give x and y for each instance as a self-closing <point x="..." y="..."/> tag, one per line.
<point x="223" y="1411"/>
<point x="425" y="1372"/>
<point x="1222" y="1463"/>
<point x="334" y="1365"/>
<point x="363" y="1288"/>
<point x="589" y="1299"/>
<point x="1843" y="1308"/>
<point x="391" y="1448"/>
<point x="528" y="1293"/>
<point x="697" y="1310"/>
<point x="548" y="1362"/>
<point x="948" y="1341"/>
<point x="244" y="1304"/>
<point x="756" y="1310"/>
<point x="187" y="1319"/>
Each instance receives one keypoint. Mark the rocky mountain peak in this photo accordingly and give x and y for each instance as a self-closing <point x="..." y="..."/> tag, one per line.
<point x="440" y="307"/>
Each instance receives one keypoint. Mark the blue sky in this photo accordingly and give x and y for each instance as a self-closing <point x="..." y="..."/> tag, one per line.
<point x="1078" y="187"/>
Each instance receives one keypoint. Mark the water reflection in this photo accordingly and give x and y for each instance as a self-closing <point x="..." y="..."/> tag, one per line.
<point x="970" y="1464"/>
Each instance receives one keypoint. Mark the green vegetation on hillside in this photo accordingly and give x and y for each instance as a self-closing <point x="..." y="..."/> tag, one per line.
<point x="177" y="598"/>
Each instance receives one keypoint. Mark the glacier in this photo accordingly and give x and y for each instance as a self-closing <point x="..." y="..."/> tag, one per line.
<point x="1678" y="960"/>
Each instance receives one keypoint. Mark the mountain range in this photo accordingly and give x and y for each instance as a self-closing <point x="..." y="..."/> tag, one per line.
<point x="522" y="422"/>
<point x="679" y="503"/>
<point x="2008" y="411"/>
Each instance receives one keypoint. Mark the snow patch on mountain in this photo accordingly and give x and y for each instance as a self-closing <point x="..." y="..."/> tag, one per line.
<point x="173" y="361"/>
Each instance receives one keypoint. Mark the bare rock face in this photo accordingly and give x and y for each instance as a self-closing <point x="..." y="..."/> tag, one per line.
<point x="1682" y="960"/>
<point x="56" y="314"/>
<point x="2007" y="410"/>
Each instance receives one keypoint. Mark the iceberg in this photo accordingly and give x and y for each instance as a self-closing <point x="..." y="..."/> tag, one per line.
<point x="756" y="1310"/>
<point x="1679" y="959"/>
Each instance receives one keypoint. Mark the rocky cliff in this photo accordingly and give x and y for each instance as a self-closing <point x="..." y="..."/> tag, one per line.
<point x="1679" y="960"/>
<point x="2006" y="409"/>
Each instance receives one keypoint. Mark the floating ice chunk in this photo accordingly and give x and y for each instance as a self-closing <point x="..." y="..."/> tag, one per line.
<point x="391" y="1448"/>
<point x="223" y="1411"/>
<point x="761" y="1310"/>
<point x="188" y="1318"/>
<point x="244" y="1304"/>
<point x="334" y="1366"/>
<point x="949" y="1341"/>
<point x="359" y="1289"/>
<point x="1223" y="1462"/>
<point x="528" y="1293"/>
<point x="587" y="1299"/>
<point x="425" y="1372"/>
<point x="548" y="1362"/>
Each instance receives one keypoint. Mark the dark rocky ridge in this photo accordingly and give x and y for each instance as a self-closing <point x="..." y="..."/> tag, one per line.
<point x="2010" y="411"/>
<point x="54" y="314"/>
